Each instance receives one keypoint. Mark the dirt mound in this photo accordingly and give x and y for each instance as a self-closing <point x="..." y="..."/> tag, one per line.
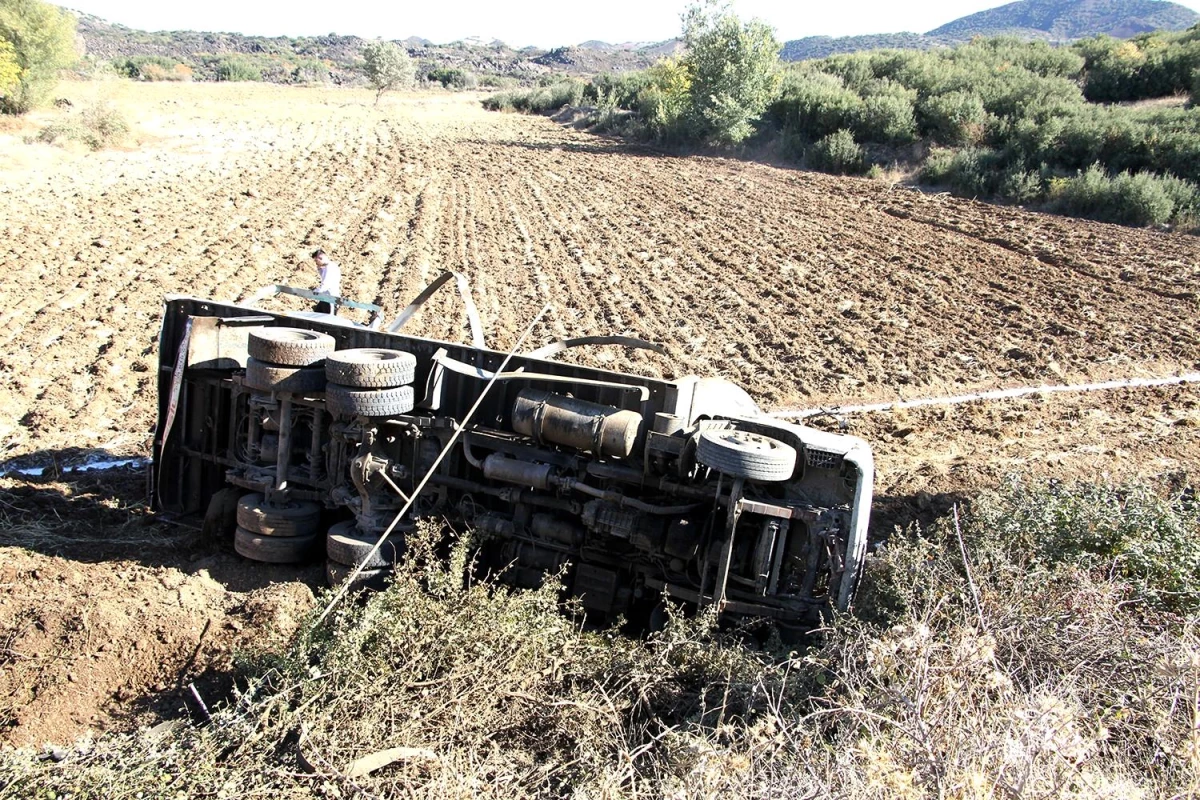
<point x="107" y="614"/>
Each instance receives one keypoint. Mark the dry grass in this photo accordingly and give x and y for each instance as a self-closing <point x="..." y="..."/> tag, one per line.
<point x="986" y="668"/>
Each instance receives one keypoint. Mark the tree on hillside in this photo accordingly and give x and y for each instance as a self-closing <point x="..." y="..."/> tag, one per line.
<point x="42" y="38"/>
<point x="387" y="67"/>
<point x="734" y="68"/>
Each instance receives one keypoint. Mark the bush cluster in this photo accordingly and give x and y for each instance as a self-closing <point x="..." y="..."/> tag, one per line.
<point x="152" y="68"/>
<point x="98" y="126"/>
<point x="453" y="78"/>
<point x="1041" y="643"/>
<point x="1012" y="121"/>
<point x="837" y="153"/>
<point x="542" y="100"/>
<point x="715" y="93"/>
<point x="1138" y="199"/>
<point x="237" y="68"/>
<point x="1157" y="64"/>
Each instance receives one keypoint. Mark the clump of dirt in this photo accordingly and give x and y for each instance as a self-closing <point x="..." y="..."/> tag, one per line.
<point x="107" y="612"/>
<point x="79" y="642"/>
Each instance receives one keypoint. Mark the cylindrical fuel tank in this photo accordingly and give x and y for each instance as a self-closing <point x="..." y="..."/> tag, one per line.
<point x="498" y="467"/>
<point x="549" y="417"/>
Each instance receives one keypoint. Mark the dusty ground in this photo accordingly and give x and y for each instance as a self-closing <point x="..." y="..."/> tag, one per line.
<point x="807" y="289"/>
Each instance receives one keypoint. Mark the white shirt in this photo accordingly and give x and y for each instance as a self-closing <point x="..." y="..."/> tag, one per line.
<point x="331" y="279"/>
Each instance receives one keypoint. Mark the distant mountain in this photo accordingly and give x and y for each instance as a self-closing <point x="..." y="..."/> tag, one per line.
<point x="1051" y="20"/>
<point x="1067" y="20"/>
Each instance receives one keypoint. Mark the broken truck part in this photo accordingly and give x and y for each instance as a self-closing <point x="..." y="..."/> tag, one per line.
<point x="634" y="487"/>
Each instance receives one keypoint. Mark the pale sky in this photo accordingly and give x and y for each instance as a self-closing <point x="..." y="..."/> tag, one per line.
<point x="544" y="23"/>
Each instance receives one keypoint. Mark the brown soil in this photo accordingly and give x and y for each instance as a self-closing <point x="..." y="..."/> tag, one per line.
<point x="806" y="289"/>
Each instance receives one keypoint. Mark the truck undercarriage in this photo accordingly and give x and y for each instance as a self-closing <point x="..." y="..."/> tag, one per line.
<point x="633" y="487"/>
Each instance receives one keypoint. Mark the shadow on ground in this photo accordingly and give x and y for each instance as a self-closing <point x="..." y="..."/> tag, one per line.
<point x="92" y="516"/>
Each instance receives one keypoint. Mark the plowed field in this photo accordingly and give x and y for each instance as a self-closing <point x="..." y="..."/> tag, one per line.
<point x="806" y="289"/>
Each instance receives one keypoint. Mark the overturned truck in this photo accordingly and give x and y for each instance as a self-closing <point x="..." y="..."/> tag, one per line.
<point x="634" y="488"/>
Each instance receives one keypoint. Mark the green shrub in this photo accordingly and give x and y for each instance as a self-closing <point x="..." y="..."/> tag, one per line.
<point x="1129" y="198"/>
<point x="971" y="171"/>
<point x="99" y="126"/>
<point x="1021" y="185"/>
<point x="886" y="118"/>
<point x="543" y="100"/>
<point x="453" y="78"/>
<point x="953" y="118"/>
<point x="664" y="101"/>
<point x="1156" y="64"/>
<point x="813" y="104"/>
<point x="152" y="68"/>
<point x="837" y="153"/>
<point x="621" y="89"/>
<point x="237" y="68"/>
<point x="1151" y="541"/>
<point x="497" y="82"/>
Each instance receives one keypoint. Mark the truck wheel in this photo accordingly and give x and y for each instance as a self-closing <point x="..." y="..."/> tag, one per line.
<point x="290" y="347"/>
<point x="344" y="544"/>
<point x="741" y="454"/>
<point x="346" y="402"/>
<point x="370" y="368"/>
<point x="336" y="573"/>
<point x="275" y="549"/>
<point x="270" y="378"/>
<point x="295" y="518"/>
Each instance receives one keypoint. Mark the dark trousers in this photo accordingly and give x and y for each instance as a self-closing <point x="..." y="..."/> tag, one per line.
<point x="323" y="308"/>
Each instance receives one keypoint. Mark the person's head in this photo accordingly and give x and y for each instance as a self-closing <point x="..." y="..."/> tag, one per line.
<point x="319" y="258"/>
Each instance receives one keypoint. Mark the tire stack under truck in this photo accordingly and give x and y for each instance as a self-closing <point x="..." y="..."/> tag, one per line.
<point x="366" y="382"/>
<point x="272" y="527"/>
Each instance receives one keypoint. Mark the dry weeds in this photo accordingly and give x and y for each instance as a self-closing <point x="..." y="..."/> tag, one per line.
<point x="1030" y="678"/>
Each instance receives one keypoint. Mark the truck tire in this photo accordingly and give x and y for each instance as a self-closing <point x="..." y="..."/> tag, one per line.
<point x="344" y="544"/>
<point x="342" y="401"/>
<point x="290" y="347"/>
<point x="275" y="549"/>
<point x="296" y="518"/>
<point x="270" y="378"/>
<point x="370" y="368"/>
<point x="376" y="579"/>
<point x="741" y="454"/>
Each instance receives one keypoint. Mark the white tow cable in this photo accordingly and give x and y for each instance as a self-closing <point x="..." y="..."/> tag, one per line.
<point x="345" y="586"/>
<point x="996" y="394"/>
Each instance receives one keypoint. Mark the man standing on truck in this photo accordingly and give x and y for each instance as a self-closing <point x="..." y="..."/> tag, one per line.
<point x="330" y="275"/>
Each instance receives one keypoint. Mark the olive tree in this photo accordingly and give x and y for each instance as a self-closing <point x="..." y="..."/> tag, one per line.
<point x="42" y="41"/>
<point x="734" y="67"/>
<point x="387" y="67"/>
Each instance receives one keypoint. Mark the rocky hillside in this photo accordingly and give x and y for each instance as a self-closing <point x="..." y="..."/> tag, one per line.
<point x="335" y="58"/>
